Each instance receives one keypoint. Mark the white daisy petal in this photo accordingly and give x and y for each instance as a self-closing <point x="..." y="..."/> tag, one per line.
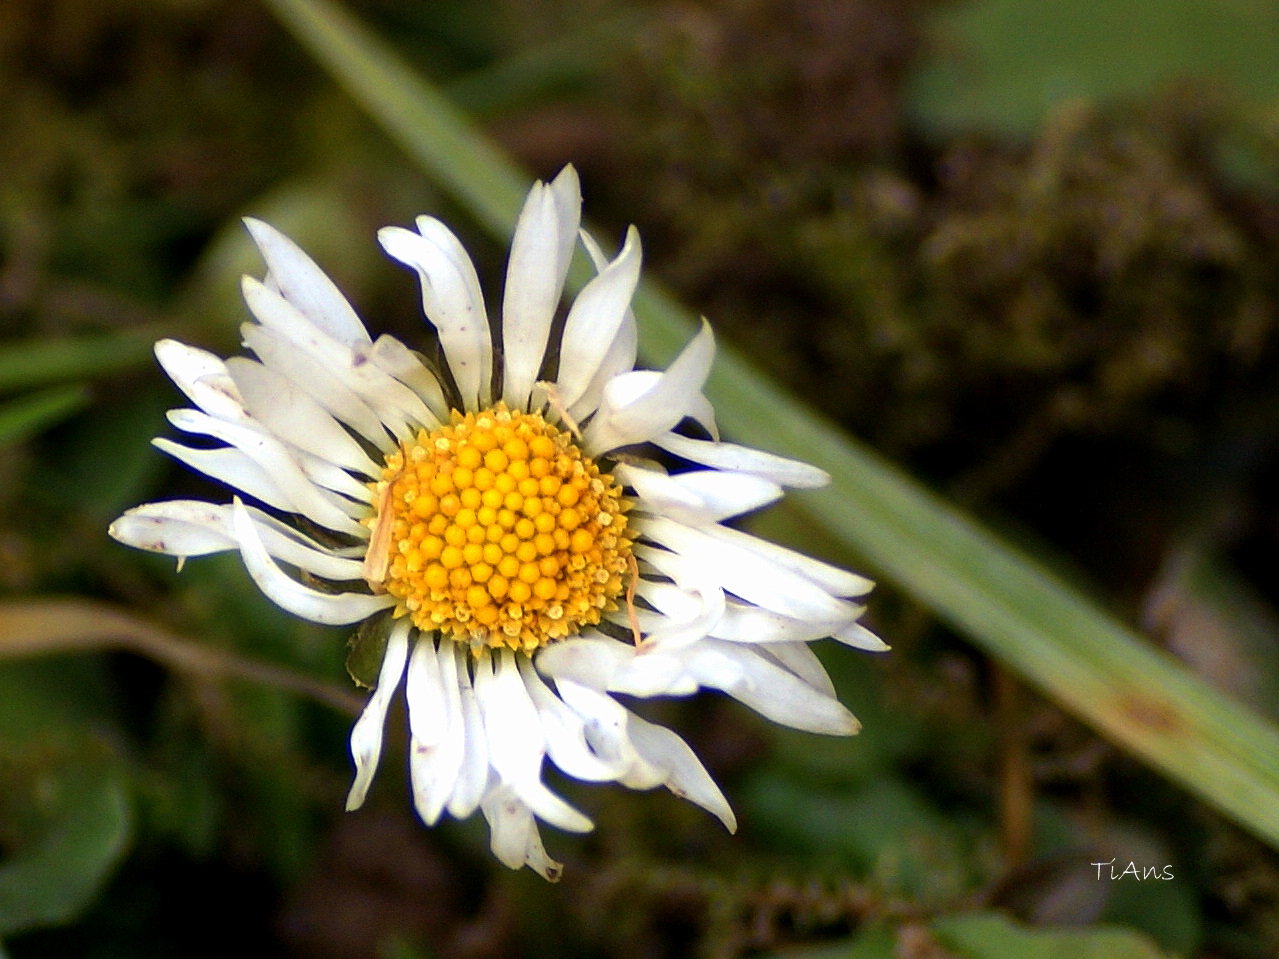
<point x="800" y="659"/>
<point x="649" y="755"/>
<point x="658" y="671"/>
<point x="660" y="491"/>
<point x="621" y="354"/>
<point x="300" y="368"/>
<point x="681" y="770"/>
<point x="436" y="726"/>
<point x="231" y="465"/>
<point x="608" y="730"/>
<point x="610" y="665"/>
<point x="474" y="775"/>
<point x="604" y="722"/>
<point x="771" y="691"/>
<point x="737" y="622"/>
<point x="331" y="609"/>
<point x="228" y="465"/>
<point x="305" y="285"/>
<point x="178" y="528"/>
<point x="366" y="735"/>
<point x="729" y="456"/>
<point x="393" y="357"/>
<point x="619" y="358"/>
<point x="775" y="693"/>
<point x="588" y="660"/>
<point x="203" y="377"/>
<point x="395" y="402"/>
<point x="790" y="694"/>
<point x="700" y="411"/>
<point x="514" y="838"/>
<point x="274" y="458"/>
<point x="858" y="636"/>
<point x="516" y="743"/>
<point x="451" y="299"/>
<point x="729" y="494"/>
<point x="565" y="732"/>
<point x="746" y="574"/>
<point x="355" y="496"/>
<point x="622" y="419"/>
<point x="540" y="253"/>
<point x="838" y="582"/>
<point x="284" y="409"/>
<point x="699" y="496"/>
<point x="743" y="623"/>
<point x="186" y="364"/>
<point x="741" y="672"/>
<point x="594" y="320"/>
<point x="195" y="528"/>
<point x="692" y="578"/>
<point x="669" y="600"/>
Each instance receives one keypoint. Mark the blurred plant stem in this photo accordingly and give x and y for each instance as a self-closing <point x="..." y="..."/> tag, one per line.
<point x="46" y="626"/>
<point x="1016" y="787"/>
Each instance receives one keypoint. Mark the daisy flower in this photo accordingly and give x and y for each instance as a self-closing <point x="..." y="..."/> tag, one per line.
<point x="524" y="523"/>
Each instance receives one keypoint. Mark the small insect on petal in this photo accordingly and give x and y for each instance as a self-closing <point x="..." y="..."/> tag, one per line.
<point x="378" y="559"/>
<point x="552" y="391"/>
<point x="630" y="600"/>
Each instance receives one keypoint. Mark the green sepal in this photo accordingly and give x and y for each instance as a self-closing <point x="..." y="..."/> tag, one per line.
<point x="367" y="647"/>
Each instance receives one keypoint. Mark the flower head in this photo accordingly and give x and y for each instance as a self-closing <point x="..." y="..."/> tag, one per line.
<point x="528" y="526"/>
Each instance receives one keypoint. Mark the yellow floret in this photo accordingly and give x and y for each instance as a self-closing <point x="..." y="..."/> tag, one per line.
<point x="502" y="532"/>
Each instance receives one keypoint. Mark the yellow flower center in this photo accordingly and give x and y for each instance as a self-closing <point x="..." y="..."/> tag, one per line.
<point x="496" y="530"/>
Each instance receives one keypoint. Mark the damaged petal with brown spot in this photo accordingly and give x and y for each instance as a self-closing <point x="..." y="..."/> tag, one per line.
<point x="501" y="532"/>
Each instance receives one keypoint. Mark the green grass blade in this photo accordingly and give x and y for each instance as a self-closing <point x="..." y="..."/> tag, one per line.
<point x="1004" y="601"/>
<point x="413" y="112"/>
<point x="28" y="415"/>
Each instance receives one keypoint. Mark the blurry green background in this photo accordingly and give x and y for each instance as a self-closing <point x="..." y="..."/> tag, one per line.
<point x="1026" y="251"/>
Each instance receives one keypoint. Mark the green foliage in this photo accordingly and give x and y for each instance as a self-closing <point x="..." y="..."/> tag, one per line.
<point x="986" y="936"/>
<point x="913" y="850"/>
<point x="979" y="936"/>
<point x="82" y="832"/>
<point x="66" y="816"/>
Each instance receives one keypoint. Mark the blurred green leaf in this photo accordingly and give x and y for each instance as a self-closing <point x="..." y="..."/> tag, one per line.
<point x="1006" y="64"/>
<point x="1006" y="602"/>
<point x="107" y="450"/>
<point x="1165" y="910"/>
<point x="875" y="942"/>
<point x="885" y="830"/>
<point x="985" y="935"/>
<point x="41" y="362"/>
<point x="180" y="793"/>
<point x="992" y="936"/>
<point x="83" y="831"/>
<point x="28" y="415"/>
<point x="65" y="811"/>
